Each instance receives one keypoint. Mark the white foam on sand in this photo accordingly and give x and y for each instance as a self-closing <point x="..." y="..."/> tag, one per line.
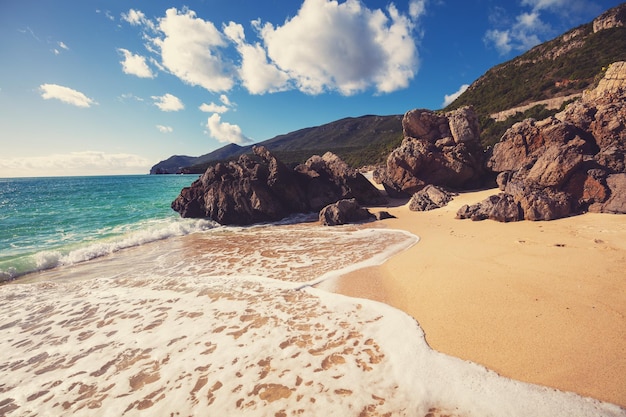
<point x="212" y="324"/>
<point x="233" y="346"/>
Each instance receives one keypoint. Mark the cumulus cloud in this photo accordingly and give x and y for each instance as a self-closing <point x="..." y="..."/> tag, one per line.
<point x="257" y="74"/>
<point x="417" y="8"/>
<point x="326" y="47"/>
<point x="168" y="102"/>
<point x="213" y="108"/>
<point x="164" y="129"/>
<point x="529" y="28"/>
<point x="225" y="132"/>
<point x="74" y="163"/>
<point x="449" y="98"/>
<point x="190" y="49"/>
<point x="134" y="17"/>
<point x="343" y="47"/>
<point x="66" y="95"/>
<point x="135" y="64"/>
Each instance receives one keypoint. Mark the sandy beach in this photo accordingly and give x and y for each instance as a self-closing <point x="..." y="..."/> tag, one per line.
<point x="541" y="302"/>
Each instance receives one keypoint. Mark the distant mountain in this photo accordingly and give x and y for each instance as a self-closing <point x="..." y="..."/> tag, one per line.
<point x="357" y="140"/>
<point x="561" y="67"/>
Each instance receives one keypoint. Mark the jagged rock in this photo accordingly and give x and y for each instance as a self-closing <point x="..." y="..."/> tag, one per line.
<point x="566" y="164"/>
<point x="616" y="203"/>
<point x="249" y="190"/>
<point x="544" y="204"/>
<point x="501" y="207"/>
<point x="344" y="212"/>
<point x="439" y="149"/>
<point x="429" y="198"/>
<point x="612" y="18"/>
<point x="330" y="179"/>
<point x="382" y="215"/>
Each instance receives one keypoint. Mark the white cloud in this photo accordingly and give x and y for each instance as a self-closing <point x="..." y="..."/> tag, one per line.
<point x="343" y="47"/>
<point x="417" y="8"/>
<point x="165" y="129"/>
<point x="501" y="40"/>
<point x="107" y="13"/>
<point x="327" y="46"/>
<point x="225" y="100"/>
<point x="61" y="45"/>
<point x="190" y="49"/>
<point x="449" y="98"/>
<point x="66" y="95"/>
<point x="134" y="17"/>
<point x="528" y="28"/>
<point x="135" y="65"/>
<point x="74" y="163"/>
<point x="257" y="74"/>
<point x="225" y="132"/>
<point x="168" y="102"/>
<point x="213" y="108"/>
<point x="129" y="96"/>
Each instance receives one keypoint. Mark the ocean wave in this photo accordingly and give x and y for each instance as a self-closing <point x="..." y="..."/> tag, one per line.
<point x="143" y="233"/>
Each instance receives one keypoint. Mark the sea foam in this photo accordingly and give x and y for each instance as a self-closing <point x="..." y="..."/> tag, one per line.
<point x="208" y="345"/>
<point x="140" y="234"/>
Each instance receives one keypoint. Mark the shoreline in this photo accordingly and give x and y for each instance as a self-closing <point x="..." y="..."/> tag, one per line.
<point x="540" y="302"/>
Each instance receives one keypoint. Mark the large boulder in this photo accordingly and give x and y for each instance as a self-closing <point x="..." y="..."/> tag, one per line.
<point x="566" y="164"/>
<point x="429" y="198"/>
<point x="439" y="149"/>
<point x="344" y="212"/>
<point x="261" y="189"/>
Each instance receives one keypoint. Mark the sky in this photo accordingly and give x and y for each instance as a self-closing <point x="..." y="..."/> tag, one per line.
<point x="114" y="86"/>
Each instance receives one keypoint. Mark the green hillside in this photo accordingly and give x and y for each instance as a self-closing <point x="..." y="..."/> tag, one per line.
<point x="565" y="65"/>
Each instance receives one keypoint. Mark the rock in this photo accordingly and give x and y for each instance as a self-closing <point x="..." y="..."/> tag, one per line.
<point x="382" y="215"/>
<point x="616" y="203"/>
<point x="263" y="189"/>
<point x="544" y="204"/>
<point x="329" y="179"/>
<point x="612" y="18"/>
<point x="439" y="149"/>
<point x="501" y="207"/>
<point x="344" y="212"/>
<point x="566" y="164"/>
<point x="429" y="198"/>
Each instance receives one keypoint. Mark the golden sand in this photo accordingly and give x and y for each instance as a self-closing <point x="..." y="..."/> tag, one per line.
<point x="542" y="302"/>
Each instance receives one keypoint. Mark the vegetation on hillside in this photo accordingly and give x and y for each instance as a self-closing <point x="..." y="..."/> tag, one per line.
<point x="565" y="65"/>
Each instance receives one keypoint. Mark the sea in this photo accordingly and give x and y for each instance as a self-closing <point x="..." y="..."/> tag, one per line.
<point x="112" y="305"/>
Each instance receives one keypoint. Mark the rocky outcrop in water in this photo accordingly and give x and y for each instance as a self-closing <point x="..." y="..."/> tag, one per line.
<point x="439" y="149"/>
<point x="261" y="189"/>
<point x="566" y="164"/>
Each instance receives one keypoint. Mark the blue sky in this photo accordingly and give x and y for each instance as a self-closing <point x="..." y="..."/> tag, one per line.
<point x="113" y="87"/>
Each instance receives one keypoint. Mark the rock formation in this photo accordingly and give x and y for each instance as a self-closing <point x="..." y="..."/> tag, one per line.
<point x="429" y="198"/>
<point x="615" y="17"/>
<point x="344" y="212"/>
<point x="439" y="149"/>
<point x="253" y="190"/>
<point x="566" y="164"/>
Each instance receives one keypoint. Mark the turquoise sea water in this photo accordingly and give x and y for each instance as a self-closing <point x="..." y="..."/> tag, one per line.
<point x="46" y="222"/>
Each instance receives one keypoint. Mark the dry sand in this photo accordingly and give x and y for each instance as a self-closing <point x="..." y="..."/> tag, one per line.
<point x="541" y="302"/>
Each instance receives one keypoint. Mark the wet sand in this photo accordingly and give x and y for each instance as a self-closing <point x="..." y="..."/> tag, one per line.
<point x="541" y="302"/>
